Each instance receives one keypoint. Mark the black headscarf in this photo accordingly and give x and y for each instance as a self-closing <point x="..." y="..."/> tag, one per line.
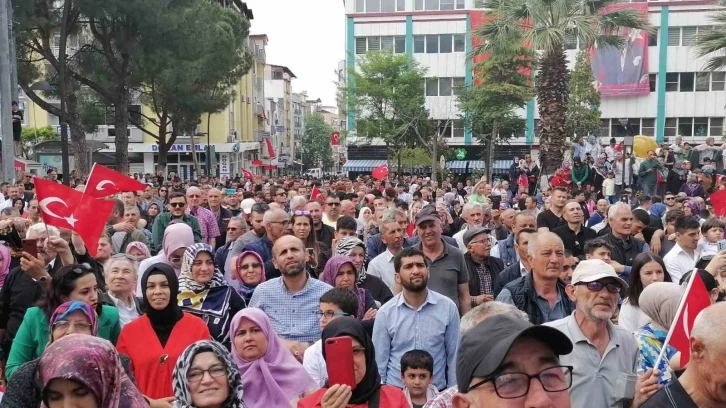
<point x="371" y="383"/>
<point x="163" y="321"/>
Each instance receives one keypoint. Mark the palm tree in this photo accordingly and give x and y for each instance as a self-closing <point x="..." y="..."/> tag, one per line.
<point x="547" y="25"/>
<point x="714" y="41"/>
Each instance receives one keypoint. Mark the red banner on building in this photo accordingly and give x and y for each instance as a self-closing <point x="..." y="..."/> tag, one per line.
<point x="623" y="72"/>
<point x="335" y="139"/>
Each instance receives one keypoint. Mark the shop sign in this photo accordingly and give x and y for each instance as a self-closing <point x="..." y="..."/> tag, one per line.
<point x="224" y="168"/>
<point x="181" y="148"/>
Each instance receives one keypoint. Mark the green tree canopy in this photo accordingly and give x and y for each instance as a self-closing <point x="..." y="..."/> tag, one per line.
<point x="583" y="104"/>
<point x="316" y="142"/>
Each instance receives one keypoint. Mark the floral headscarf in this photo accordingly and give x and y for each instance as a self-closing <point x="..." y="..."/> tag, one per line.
<point x="193" y="294"/>
<point x="345" y="247"/>
<point x="180" y="384"/>
<point x="65" y="309"/>
<point x="141" y="247"/>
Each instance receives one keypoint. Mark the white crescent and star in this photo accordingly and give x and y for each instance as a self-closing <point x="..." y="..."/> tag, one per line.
<point x="49" y="200"/>
<point x="101" y="184"/>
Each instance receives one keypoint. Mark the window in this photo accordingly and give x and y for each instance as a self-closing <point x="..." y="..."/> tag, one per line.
<point x="716" y="128"/>
<point x="419" y="44"/>
<point x="388" y="6"/>
<point x="401" y="5"/>
<point x="460" y="4"/>
<point x="703" y="81"/>
<point x="418" y="5"/>
<point x="444" y="128"/>
<point x="458" y="85"/>
<point x="277" y="75"/>
<point x="674" y="36"/>
<point x="432" y="4"/>
<point x="374" y="44"/>
<point x="387" y="44"/>
<point x="616" y="129"/>
<point x="373" y="6"/>
<point x="670" y="127"/>
<point x="653" y="39"/>
<point x="647" y="127"/>
<point x="432" y="87"/>
<point x="459" y="42"/>
<point x="390" y="44"/>
<point x="445" y="44"/>
<point x="432" y="44"/>
<point x="717" y="81"/>
<point x="700" y="126"/>
<point x="445" y="86"/>
<point x="360" y="45"/>
<point x="652" y="82"/>
<point x="605" y="127"/>
<point x="634" y="125"/>
<point x="685" y="126"/>
<point x="400" y="47"/>
<point x="686" y="82"/>
<point x="360" y="6"/>
<point x="447" y="4"/>
<point x="672" y="82"/>
<point x="458" y="128"/>
<point x="689" y="35"/>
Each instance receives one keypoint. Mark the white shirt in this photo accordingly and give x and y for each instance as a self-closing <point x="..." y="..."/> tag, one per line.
<point x="522" y="270"/>
<point x="631" y="318"/>
<point x="459" y="237"/>
<point x="314" y="363"/>
<point x="382" y="267"/>
<point x="126" y="314"/>
<point x="678" y="262"/>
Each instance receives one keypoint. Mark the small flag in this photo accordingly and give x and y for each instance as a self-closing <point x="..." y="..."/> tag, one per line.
<point x="381" y="172"/>
<point x="103" y="182"/>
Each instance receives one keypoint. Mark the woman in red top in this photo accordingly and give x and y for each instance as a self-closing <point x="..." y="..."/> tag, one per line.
<point x="155" y="340"/>
<point x="368" y="390"/>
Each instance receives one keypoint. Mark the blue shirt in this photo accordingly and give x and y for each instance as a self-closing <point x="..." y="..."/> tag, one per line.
<point x="292" y="315"/>
<point x="433" y="327"/>
<point x="549" y="314"/>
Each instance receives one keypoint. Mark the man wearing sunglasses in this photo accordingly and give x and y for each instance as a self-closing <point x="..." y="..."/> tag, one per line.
<point x="176" y="206"/>
<point x="604" y="355"/>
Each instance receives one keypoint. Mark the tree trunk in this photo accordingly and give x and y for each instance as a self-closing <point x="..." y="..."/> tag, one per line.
<point x="194" y="154"/>
<point x="434" y="159"/>
<point x="79" y="146"/>
<point x="121" y="126"/>
<point x="552" y="85"/>
<point x="163" y="143"/>
<point x="490" y="153"/>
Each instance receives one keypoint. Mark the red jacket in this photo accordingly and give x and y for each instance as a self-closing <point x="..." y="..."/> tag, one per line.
<point x="391" y="397"/>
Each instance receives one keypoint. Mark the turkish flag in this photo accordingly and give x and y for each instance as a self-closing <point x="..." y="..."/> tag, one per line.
<point x="247" y="174"/>
<point x="103" y="182"/>
<point x="694" y="301"/>
<point x="65" y="207"/>
<point x="335" y="139"/>
<point x="380" y="172"/>
<point x="718" y="201"/>
<point x="315" y="194"/>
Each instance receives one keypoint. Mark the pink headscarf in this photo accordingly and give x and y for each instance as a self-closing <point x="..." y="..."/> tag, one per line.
<point x="274" y="379"/>
<point x="4" y="263"/>
<point x="176" y="236"/>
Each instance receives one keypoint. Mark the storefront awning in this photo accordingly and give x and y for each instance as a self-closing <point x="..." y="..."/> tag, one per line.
<point x="476" y="164"/>
<point x="362" y="165"/>
<point x="457" y="166"/>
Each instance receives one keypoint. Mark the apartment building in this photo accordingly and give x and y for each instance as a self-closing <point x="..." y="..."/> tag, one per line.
<point x="279" y="107"/>
<point x="683" y="100"/>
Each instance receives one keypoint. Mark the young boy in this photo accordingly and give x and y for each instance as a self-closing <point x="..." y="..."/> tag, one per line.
<point x="608" y="188"/>
<point x="417" y="370"/>
<point x="711" y="232"/>
<point x="334" y="303"/>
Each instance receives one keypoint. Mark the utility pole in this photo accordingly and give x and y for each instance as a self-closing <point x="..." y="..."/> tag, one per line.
<point x="6" y="121"/>
<point x="13" y="54"/>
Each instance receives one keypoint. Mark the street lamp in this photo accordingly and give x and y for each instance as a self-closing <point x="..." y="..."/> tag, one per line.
<point x="46" y="86"/>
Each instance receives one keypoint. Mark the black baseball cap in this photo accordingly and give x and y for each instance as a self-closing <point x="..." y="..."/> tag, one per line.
<point x="483" y="348"/>
<point x="427" y="213"/>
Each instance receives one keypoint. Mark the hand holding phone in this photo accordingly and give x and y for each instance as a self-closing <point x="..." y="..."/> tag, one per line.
<point x="31" y="247"/>
<point x="339" y="361"/>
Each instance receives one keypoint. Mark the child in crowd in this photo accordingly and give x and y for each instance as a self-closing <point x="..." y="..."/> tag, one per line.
<point x="334" y="303"/>
<point x="608" y="188"/>
<point x="712" y="231"/>
<point x="417" y="372"/>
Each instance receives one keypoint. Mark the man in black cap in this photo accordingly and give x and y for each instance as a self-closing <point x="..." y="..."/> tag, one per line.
<point x="483" y="268"/>
<point x="499" y="358"/>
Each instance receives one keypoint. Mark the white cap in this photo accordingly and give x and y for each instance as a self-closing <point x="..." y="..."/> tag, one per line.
<point x="592" y="270"/>
<point x="247" y="204"/>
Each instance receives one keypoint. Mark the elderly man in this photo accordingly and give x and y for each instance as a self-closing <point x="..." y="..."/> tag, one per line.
<point x="291" y="300"/>
<point x="701" y="384"/>
<point x="599" y="215"/>
<point x="207" y="220"/>
<point x="221" y="214"/>
<point x="132" y="215"/>
<point x="236" y="227"/>
<point x="392" y="235"/>
<point x="473" y="215"/>
<point x="541" y="294"/>
<point x="505" y="249"/>
<point x="347" y="208"/>
<point x="506" y="224"/>
<point x="517" y="269"/>
<point x="483" y="269"/>
<point x="624" y="247"/>
<point x="498" y="359"/>
<point x="604" y="356"/>
<point x="276" y="222"/>
<point x="573" y="234"/>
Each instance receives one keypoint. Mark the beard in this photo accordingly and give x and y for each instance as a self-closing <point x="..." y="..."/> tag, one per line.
<point x="415" y="287"/>
<point x="293" y="270"/>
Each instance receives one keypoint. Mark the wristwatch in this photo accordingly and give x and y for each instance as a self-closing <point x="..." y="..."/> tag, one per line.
<point x="42" y="279"/>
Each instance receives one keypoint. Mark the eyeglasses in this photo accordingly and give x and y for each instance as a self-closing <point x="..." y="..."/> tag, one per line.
<point x="516" y="385"/>
<point x="177" y="205"/>
<point x="162" y="190"/>
<point x="481" y="241"/>
<point x="597" y="286"/>
<point x="329" y="314"/>
<point x="305" y="212"/>
<point x="232" y="228"/>
<point x="217" y="371"/>
<point x="252" y="265"/>
<point x="66" y="324"/>
<point x="670" y="198"/>
<point x="193" y="195"/>
<point x="260" y="207"/>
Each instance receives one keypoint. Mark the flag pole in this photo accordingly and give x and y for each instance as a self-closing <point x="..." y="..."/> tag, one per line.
<point x="89" y="177"/>
<point x="678" y="313"/>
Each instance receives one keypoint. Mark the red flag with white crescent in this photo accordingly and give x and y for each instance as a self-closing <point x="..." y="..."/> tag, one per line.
<point x="335" y="139"/>
<point x="694" y="301"/>
<point x="381" y="172"/>
<point x="247" y="174"/>
<point x="103" y="182"/>
<point x="315" y="194"/>
<point x="64" y="207"/>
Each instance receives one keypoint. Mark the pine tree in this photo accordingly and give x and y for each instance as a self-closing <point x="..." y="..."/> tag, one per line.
<point x="583" y="105"/>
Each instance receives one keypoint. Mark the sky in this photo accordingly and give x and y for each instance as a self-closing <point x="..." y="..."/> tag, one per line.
<point x="307" y="36"/>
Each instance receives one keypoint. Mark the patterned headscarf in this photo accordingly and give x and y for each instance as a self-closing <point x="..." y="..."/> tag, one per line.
<point x="180" y="384"/>
<point x="192" y="293"/>
<point x="93" y="362"/>
<point x="141" y="247"/>
<point x="67" y="308"/>
<point x="345" y="247"/>
<point x="332" y="268"/>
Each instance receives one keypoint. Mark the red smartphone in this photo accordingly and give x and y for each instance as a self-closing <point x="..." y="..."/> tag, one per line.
<point x="339" y="361"/>
<point x="30" y="246"/>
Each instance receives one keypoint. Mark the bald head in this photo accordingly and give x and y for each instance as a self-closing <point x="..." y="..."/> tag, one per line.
<point x="542" y="239"/>
<point x="347" y="208"/>
<point x="710" y="326"/>
<point x="289" y="256"/>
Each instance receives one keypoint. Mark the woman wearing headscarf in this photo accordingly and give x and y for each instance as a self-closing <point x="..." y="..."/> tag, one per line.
<point x="354" y="248"/>
<point x="5" y="259"/>
<point x="222" y="388"/>
<point x="657" y="211"/>
<point x="91" y="363"/>
<point x="368" y="390"/>
<point x="72" y="282"/>
<point x="677" y="176"/>
<point x="155" y="340"/>
<point x="693" y="187"/>
<point x="72" y="317"/>
<point x="271" y="376"/>
<point x="177" y="237"/>
<point x="139" y="250"/>
<point x="248" y="272"/>
<point x="341" y="273"/>
<point x="154" y="209"/>
<point x="204" y="292"/>
<point x="364" y="216"/>
<point x="659" y="301"/>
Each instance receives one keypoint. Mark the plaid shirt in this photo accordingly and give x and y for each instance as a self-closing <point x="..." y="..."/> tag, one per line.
<point x="486" y="286"/>
<point x="207" y="222"/>
<point x="442" y="399"/>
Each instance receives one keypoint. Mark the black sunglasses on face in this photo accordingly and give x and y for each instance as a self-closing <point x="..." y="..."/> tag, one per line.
<point x="177" y="205"/>
<point x="259" y="207"/>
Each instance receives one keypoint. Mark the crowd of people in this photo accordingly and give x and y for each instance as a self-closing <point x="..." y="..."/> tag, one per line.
<point x="225" y="293"/>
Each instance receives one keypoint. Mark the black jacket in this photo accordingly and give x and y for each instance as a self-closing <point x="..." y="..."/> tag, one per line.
<point x="509" y="274"/>
<point x="494" y="266"/>
<point x="524" y="297"/>
<point x="624" y="250"/>
<point x="222" y="221"/>
<point x="326" y="235"/>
